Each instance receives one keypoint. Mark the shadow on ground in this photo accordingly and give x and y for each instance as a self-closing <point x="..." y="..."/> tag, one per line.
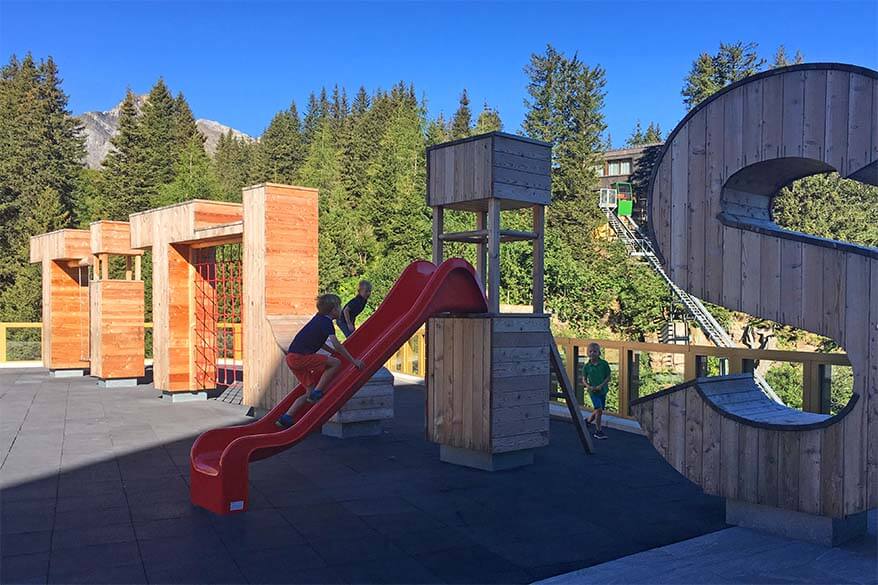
<point x="94" y="490"/>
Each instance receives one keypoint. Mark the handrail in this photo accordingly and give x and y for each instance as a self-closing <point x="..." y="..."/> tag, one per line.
<point x="738" y="357"/>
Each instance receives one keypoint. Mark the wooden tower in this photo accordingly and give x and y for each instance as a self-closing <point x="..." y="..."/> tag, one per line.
<point x="116" y="340"/>
<point x="65" y="298"/>
<point x="488" y="375"/>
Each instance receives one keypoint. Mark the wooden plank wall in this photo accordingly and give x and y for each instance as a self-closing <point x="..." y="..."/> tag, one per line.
<point x="65" y="316"/>
<point x="495" y="165"/>
<point x="280" y="284"/>
<point x="488" y="383"/>
<point x="116" y="339"/>
<point x="825" y="114"/>
<point x="460" y="172"/>
<point x="112" y="237"/>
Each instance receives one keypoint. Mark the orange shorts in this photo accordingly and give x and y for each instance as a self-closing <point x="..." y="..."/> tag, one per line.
<point x="307" y="367"/>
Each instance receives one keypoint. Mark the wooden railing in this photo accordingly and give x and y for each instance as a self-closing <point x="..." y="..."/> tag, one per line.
<point x="624" y="357"/>
<point x="5" y="328"/>
<point x="411" y="358"/>
<point x="696" y="360"/>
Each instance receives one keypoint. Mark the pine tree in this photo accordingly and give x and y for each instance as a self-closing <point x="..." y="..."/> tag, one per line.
<point x="639" y="137"/>
<point x="565" y="109"/>
<point x="710" y="73"/>
<point x="41" y="154"/>
<point x="233" y="165"/>
<point x="281" y="149"/>
<point x="781" y="60"/>
<point x="185" y="128"/>
<point x="461" y="123"/>
<point x="488" y="120"/>
<point x="437" y="131"/>
<point x="194" y="177"/>
<point x="126" y="185"/>
<point x="158" y="126"/>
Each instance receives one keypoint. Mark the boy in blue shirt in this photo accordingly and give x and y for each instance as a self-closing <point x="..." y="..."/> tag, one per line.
<point x="315" y="370"/>
<point x="596" y="373"/>
<point x="347" y="322"/>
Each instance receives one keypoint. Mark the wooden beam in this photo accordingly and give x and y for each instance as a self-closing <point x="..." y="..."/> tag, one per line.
<point x="137" y="268"/>
<point x="493" y="288"/>
<point x="105" y="266"/>
<point x="481" y="259"/>
<point x="438" y="228"/>
<point x="539" y="250"/>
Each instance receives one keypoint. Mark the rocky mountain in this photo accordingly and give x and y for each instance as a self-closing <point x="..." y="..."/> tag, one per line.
<point x="100" y="127"/>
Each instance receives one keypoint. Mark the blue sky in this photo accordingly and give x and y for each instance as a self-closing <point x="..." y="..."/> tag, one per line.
<point x="239" y="63"/>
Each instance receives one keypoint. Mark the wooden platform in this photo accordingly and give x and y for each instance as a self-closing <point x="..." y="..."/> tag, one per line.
<point x="488" y="383"/>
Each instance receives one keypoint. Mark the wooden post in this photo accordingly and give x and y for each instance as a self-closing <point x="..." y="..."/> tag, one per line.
<point x="128" y="272"/>
<point x="736" y="365"/>
<point x="481" y="261"/>
<point x="105" y="266"/>
<point x="689" y="367"/>
<point x="97" y="267"/>
<point x="538" y="257"/>
<point x="137" y="268"/>
<point x="624" y="380"/>
<point x="493" y="285"/>
<point x="824" y="387"/>
<point x="438" y="229"/>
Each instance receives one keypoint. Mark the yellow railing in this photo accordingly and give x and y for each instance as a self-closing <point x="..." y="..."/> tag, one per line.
<point x="5" y="328"/>
<point x="411" y="358"/>
<point x="234" y="328"/>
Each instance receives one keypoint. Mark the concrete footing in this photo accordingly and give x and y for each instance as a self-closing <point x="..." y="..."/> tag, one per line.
<point x="485" y="461"/>
<point x="67" y="373"/>
<point x="184" y="396"/>
<point x="823" y="530"/>
<point x="366" y="428"/>
<point x="118" y="383"/>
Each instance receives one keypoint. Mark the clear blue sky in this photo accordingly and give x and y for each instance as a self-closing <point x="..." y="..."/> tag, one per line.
<point x="239" y="63"/>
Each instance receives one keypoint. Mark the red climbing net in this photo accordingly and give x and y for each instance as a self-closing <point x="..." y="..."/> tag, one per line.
<point x="218" y="335"/>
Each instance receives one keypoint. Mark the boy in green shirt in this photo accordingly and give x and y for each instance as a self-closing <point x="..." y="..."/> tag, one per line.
<point x="596" y="373"/>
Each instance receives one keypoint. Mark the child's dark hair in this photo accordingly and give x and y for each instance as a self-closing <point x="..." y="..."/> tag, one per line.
<point x="326" y="303"/>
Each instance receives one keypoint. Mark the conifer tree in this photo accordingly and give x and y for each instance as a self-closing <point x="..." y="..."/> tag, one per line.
<point x="194" y="177"/>
<point x="41" y="154"/>
<point x="185" y="128"/>
<point x="639" y="137"/>
<point x="437" y="131"/>
<point x="781" y="59"/>
<point x="461" y="123"/>
<point x="127" y="186"/>
<point x="233" y="165"/>
<point x="159" y="130"/>
<point x="565" y="104"/>
<point x="488" y="120"/>
<point x="281" y="149"/>
<point x="710" y="73"/>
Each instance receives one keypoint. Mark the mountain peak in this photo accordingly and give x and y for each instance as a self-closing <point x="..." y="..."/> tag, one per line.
<point x="100" y="127"/>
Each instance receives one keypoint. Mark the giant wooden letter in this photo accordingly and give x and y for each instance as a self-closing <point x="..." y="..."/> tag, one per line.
<point x="710" y="218"/>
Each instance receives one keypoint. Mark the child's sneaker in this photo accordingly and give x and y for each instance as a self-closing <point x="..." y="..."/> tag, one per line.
<point x="285" y="421"/>
<point x="316" y="394"/>
<point x="599" y="435"/>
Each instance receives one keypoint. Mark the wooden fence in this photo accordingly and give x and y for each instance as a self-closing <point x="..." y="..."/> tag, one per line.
<point x="624" y="357"/>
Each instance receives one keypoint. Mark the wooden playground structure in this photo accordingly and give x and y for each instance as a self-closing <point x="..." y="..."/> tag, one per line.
<point x="806" y="474"/>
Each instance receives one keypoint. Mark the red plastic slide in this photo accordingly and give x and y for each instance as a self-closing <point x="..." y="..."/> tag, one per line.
<point x="219" y="458"/>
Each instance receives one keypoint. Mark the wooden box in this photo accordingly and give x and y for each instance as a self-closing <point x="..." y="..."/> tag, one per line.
<point x="112" y="237"/>
<point x="488" y="382"/>
<point x="64" y="244"/>
<point x="464" y="174"/>
<point x="116" y="341"/>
